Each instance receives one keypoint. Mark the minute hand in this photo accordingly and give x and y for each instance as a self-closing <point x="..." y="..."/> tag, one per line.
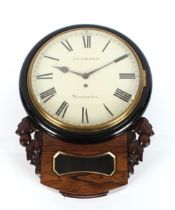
<point x="86" y="75"/>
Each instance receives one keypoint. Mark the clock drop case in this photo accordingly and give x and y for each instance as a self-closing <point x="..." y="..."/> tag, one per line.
<point x="85" y="89"/>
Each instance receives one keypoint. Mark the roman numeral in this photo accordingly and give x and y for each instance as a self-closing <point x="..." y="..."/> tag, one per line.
<point x="62" y="109"/>
<point x="85" y="118"/>
<point x="45" y="76"/>
<point x="127" y="76"/>
<point x="122" y="95"/>
<point x="105" y="46"/>
<point x="48" y="94"/>
<point x="108" y="110"/>
<point x="87" y="41"/>
<point x="67" y="45"/>
<point x="52" y="58"/>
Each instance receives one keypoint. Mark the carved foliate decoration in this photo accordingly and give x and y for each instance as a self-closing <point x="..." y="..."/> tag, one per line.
<point x="31" y="139"/>
<point x="138" y="139"/>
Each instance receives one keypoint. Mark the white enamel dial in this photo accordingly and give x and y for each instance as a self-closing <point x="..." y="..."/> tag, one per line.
<point x="85" y="78"/>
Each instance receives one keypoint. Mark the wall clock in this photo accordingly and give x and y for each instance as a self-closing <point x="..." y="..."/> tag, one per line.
<point x="85" y="89"/>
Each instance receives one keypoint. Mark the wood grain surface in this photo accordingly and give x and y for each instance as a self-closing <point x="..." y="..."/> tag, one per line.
<point x="84" y="184"/>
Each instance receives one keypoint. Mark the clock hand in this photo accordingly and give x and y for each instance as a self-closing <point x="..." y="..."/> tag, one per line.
<point x="65" y="69"/>
<point x="86" y="75"/>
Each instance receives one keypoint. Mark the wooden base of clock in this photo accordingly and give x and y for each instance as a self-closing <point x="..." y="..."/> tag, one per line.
<point x="84" y="184"/>
<point x="122" y="153"/>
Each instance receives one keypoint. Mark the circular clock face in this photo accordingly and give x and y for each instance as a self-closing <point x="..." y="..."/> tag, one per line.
<point x="85" y="79"/>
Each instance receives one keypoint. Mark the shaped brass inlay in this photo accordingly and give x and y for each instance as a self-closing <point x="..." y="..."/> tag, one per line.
<point x="64" y="163"/>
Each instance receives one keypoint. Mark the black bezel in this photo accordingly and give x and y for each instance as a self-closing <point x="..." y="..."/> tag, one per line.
<point x="84" y="137"/>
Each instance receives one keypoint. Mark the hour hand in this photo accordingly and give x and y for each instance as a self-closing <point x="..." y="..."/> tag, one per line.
<point x="65" y="69"/>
